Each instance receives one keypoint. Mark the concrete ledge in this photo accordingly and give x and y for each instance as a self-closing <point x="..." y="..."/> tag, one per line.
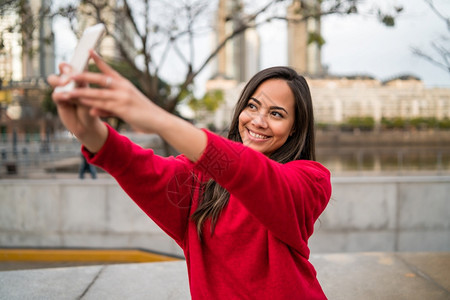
<point x="365" y="214"/>
<point x="397" y="276"/>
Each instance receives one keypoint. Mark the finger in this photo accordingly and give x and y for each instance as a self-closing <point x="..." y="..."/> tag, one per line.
<point x="56" y="80"/>
<point x="62" y="97"/>
<point x="95" y="112"/>
<point x="90" y="92"/>
<point x="68" y="103"/>
<point x="97" y="107"/>
<point x="53" y="80"/>
<point x="65" y="68"/>
<point x="98" y="112"/>
<point x="95" y="78"/>
<point x="102" y="65"/>
<point x="94" y="97"/>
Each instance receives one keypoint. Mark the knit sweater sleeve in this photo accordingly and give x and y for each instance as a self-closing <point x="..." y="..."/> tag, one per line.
<point x="160" y="186"/>
<point x="286" y="198"/>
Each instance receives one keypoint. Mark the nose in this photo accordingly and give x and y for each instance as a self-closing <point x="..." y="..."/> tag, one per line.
<point x="259" y="120"/>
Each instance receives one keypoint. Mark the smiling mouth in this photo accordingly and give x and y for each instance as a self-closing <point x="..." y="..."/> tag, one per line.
<point x="256" y="135"/>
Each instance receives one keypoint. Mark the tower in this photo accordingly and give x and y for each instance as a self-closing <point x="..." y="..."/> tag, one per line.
<point x="239" y="59"/>
<point x="304" y="53"/>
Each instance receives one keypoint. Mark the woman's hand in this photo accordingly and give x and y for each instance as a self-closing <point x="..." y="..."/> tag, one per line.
<point x="116" y="96"/>
<point x="86" y="126"/>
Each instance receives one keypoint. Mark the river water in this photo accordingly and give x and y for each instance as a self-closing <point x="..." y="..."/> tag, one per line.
<point x="340" y="158"/>
<point x="403" y="160"/>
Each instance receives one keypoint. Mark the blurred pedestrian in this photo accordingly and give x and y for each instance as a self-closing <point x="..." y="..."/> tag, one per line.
<point x="86" y="167"/>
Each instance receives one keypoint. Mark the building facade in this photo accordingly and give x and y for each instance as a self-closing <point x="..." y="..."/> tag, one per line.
<point x="338" y="99"/>
<point x="26" y="60"/>
<point x="31" y="55"/>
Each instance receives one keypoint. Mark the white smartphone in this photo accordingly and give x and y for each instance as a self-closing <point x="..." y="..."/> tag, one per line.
<point x="89" y="40"/>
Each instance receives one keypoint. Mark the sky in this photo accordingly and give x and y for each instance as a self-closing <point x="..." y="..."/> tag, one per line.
<point x="357" y="44"/>
<point x="360" y="44"/>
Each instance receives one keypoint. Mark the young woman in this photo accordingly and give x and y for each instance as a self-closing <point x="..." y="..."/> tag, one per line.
<point x="241" y="208"/>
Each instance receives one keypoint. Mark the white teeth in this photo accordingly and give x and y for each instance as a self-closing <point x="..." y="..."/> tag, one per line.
<point x="255" y="135"/>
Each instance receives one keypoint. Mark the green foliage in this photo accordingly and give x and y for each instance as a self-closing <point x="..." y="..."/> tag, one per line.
<point x="444" y="123"/>
<point x="353" y="9"/>
<point x="316" y="38"/>
<point x="47" y="105"/>
<point x="209" y="102"/>
<point x="362" y="123"/>
<point x="2" y="42"/>
<point x="418" y="123"/>
<point x="393" y="123"/>
<point x="387" y="20"/>
<point x="424" y="123"/>
<point x="322" y="126"/>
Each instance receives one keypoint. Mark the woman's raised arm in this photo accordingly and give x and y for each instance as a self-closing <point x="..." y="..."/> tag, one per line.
<point x="117" y="96"/>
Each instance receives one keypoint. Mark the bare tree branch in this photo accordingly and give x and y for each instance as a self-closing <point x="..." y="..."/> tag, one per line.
<point x="163" y="57"/>
<point x="442" y="59"/>
<point x="438" y="13"/>
<point x="430" y="59"/>
<point x="179" y="52"/>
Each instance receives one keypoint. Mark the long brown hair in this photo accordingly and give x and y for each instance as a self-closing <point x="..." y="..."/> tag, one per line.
<point x="300" y="145"/>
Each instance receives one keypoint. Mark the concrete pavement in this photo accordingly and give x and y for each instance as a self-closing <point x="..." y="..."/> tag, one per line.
<point x="346" y="276"/>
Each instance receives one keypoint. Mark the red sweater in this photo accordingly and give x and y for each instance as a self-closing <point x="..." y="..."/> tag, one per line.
<point x="259" y="247"/>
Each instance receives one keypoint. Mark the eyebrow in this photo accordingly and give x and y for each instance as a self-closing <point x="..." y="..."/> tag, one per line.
<point x="271" y="107"/>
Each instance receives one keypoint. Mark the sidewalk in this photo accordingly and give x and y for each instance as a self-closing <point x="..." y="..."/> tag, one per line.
<point x="348" y="276"/>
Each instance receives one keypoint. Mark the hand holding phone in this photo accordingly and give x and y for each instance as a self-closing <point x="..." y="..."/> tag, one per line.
<point x="89" y="40"/>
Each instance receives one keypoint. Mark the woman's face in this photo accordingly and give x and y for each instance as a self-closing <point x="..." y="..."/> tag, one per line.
<point x="268" y="118"/>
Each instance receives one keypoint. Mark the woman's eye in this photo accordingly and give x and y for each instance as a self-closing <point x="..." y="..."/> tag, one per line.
<point x="251" y="106"/>
<point x="276" y="114"/>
